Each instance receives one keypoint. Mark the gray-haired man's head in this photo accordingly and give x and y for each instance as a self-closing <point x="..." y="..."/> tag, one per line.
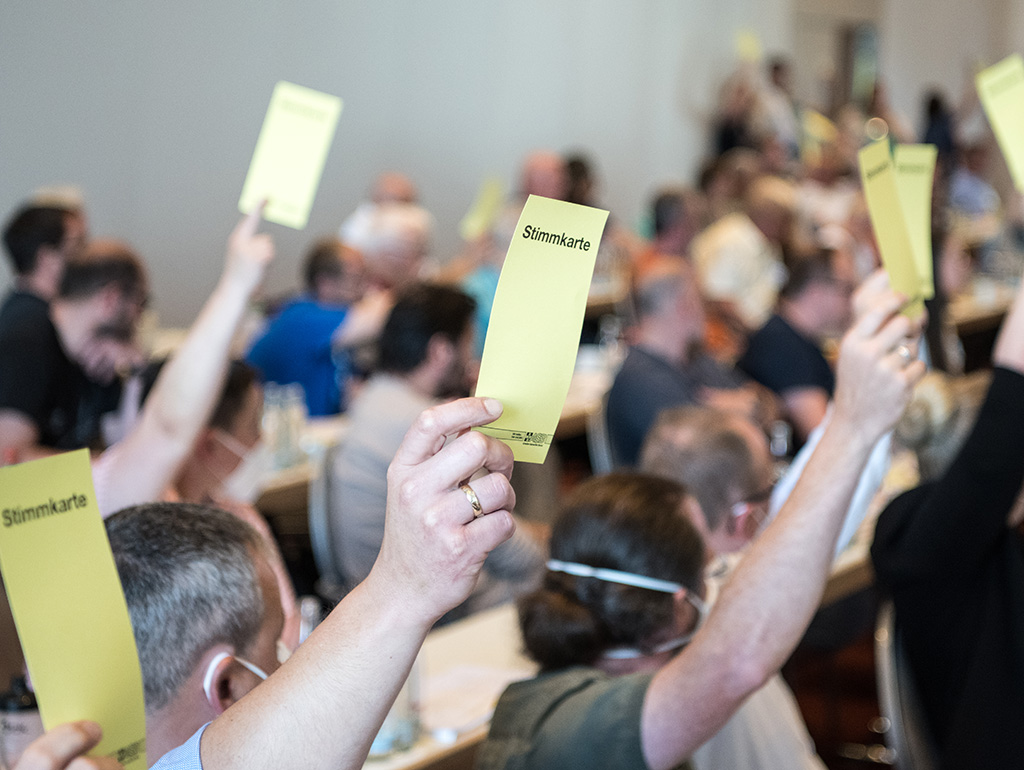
<point x="724" y="462"/>
<point x="192" y="581"/>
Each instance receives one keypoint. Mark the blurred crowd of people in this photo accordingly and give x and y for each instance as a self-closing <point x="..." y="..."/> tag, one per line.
<point x="746" y="342"/>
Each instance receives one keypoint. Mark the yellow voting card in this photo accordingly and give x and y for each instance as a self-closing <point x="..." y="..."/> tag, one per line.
<point x="290" y="154"/>
<point x="480" y="217"/>
<point x="68" y="605"/>
<point x="1001" y="88"/>
<point x="748" y="45"/>
<point x="878" y="175"/>
<point x="817" y="131"/>
<point x="915" y="173"/>
<point x="534" y="330"/>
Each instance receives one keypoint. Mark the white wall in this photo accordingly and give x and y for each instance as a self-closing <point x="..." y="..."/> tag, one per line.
<point x="927" y="43"/>
<point x="153" y="108"/>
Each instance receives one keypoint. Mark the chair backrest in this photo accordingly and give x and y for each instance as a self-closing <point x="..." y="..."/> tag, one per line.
<point x="599" y="445"/>
<point x="331" y="583"/>
<point x="907" y="734"/>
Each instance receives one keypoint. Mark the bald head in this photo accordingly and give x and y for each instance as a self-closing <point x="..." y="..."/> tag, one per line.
<point x="544" y="173"/>
<point x="394" y="187"/>
<point x="393" y="239"/>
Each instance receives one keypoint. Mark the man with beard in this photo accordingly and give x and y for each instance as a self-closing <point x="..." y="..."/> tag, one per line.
<point x="424" y="356"/>
<point x="57" y="372"/>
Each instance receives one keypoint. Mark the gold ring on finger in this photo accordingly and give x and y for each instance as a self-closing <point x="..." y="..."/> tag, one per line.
<point x="474" y="501"/>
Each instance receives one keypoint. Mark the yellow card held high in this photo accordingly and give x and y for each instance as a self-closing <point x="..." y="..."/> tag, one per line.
<point x="915" y="175"/>
<point x="485" y="209"/>
<point x="68" y="605"/>
<point x="1001" y="88"/>
<point x="534" y="330"/>
<point x="290" y="154"/>
<point x="878" y="175"/>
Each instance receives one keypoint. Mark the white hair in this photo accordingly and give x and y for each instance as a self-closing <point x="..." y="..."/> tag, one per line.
<point x="378" y="228"/>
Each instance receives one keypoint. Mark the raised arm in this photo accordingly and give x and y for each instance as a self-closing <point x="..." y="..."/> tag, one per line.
<point x="346" y="675"/>
<point x="140" y="467"/>
<point x="767" y="604"/>
<point x="869" y="292"/>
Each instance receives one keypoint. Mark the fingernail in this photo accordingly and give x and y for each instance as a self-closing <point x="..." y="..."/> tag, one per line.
<point x="493" y="406"/>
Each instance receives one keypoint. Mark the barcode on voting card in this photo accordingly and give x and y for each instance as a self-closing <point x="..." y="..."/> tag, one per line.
<point x="525" y="437"/>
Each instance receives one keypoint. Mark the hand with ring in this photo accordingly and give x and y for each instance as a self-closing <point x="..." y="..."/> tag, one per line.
<point x="439" y="529"/>
<point x="474" y="501"/>
<point x="877" y="367"/>
<point x="906" y="356"/>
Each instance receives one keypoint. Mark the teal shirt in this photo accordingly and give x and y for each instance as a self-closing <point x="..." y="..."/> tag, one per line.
<point x="481" y="285"/>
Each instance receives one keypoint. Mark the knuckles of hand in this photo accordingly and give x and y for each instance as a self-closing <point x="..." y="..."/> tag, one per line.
<point x="475" y="444"/>
<point x="428" y="422"/>
<point x="409" y="491"/>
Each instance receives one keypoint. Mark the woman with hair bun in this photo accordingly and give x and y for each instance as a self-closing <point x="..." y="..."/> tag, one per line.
<point x="624" y="581"/>
<point x="631" y="674"/>
<point x="623" y="592"/>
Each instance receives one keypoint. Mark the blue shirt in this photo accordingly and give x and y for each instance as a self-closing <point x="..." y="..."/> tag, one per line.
<point x="296" y="347"/>
<point x="481" y="285"/>
<point x="185" y="757"/>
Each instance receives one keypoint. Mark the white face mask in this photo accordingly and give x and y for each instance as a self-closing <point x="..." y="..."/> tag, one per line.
<point x="246" y="481"/>
<point x="637" y="581"/>
<point x="212" y="668"/>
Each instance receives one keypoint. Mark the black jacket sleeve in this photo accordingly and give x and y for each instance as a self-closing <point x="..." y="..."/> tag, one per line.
<point x="945" y="531"/>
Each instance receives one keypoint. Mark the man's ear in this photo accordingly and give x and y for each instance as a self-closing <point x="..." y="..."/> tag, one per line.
<point x="748" y="524"/>
<point x="440" y="351"/>
<point x="217" y="684"/>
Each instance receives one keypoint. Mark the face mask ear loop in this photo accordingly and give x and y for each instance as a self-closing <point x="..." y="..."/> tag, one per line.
<point x="208" y="678"/>
<point x="211" y="669"/>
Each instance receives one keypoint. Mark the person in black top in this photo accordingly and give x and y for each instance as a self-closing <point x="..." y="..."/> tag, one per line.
<point x="39" y="240"/>
<point x="951" y="556"/>
<point x="785" y="354"/>
<point x="58" y="362"/>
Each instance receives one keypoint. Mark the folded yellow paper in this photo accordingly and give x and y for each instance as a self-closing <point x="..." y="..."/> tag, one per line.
<point x="534" y="330"/>
<point x="1001" y="88"/>
<point x="290" y="154"/>
<point x="481" y="215"/>
<point x="915" y="173"/>
<point x="880" y="189"/>
<point x="68" y="605"/>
